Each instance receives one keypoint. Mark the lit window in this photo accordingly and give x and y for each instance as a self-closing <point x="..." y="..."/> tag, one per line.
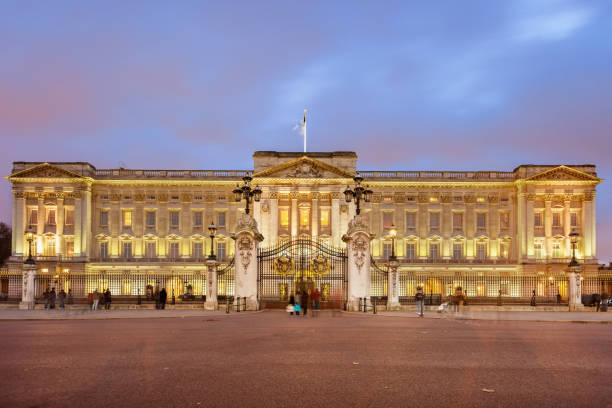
<point x="33" y="217"/>
<point x="198" y="250"/>
<point x="69" y="248"/>
<point x="480" y="199"/>
<point x="481" y="251"/>
<point x="434" y="250"/>
<point x="151" y="219"/>
<point x="284" y="217"/>
<point x="69" y="216"/>
<point x="386" y="250"/>
<point x="457" y="250"/>
<point x="304" y="217"/>
<point x="537" y="250"/>
<point x="573" y="219"/>
<point x="324" y="218"/>
<point x="127" y="219"/>
<point x="457" y="220"/>
<point x="127" y="249"/>
<point x="433" y="199"/>
<point x="174" y="219"/>
<point x="481" y="220"/>
<point x="410" y="250"/>
<point x="197" y="219"/>
<point x="410" y="220"/>
<point x="50" y="247"/>
<point x="505" y="251"/>
<point x="434" y="220"/>
<point x="221" y="250"/>
<point x="556" y="250"/>
<point x="504" y="220"/>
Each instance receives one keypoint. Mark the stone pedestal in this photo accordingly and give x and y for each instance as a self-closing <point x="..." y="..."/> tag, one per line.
<point x="574" y="290"/>
<point x="211" y="290"/>
<point x="28" y="289"/>
<point x="357" y="241"/>
<point x="247" y="239"/>
<point x="392" y="287"/>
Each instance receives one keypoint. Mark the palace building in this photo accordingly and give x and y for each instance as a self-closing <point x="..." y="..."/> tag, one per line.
<point x="496" y="233"/>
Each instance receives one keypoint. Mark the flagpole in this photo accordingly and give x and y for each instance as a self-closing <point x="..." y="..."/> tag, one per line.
<point x="304" y="129"/>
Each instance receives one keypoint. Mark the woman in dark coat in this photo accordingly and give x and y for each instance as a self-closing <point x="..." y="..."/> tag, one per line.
<point x="292" y="300"/>
<point x="162" y="298"/>
<point x="107" y="299"/>
<point x="304" y="302"/>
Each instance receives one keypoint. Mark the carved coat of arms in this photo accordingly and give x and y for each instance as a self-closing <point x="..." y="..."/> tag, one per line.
<point x="360" y="252"/>
<point x="284" y="265"/>
<point x="319" y="266"/>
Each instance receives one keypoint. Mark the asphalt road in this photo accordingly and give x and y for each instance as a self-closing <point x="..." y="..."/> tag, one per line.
<point x="272" y="360"/>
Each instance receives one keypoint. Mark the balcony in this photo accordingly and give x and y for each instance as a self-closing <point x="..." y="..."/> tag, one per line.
<point x="462" y="261"/>
<point x="158" y="260"/>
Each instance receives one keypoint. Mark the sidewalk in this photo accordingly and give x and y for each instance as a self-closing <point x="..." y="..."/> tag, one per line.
<point x="567" y="317"/>
<point x="85" y="314"/>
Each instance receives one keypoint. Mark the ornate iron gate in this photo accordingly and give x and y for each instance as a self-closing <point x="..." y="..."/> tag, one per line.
<point x="302" y="264"/>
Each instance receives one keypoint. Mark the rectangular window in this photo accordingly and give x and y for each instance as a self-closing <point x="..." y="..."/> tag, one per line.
<point x="197" y="219"/>
<point x="324" y="218"/>
<point x="127" y="219"/>
<point x="504" y="220"/>
<point x="198" y="251"/>
<point x="150" y="219"/>
<point x="69" y="216"/>
<point x="150" y="250"/>
<point x="284" y="217"/>
<point x="173" y="252"/>
<point x="410" y="220"/>
<point x="537" y="219"/>
<point x="556" y="219"/>
<point x="304" y="217"/>
<point x="69" y="248"/>
<point x="537" y="250"/>
<point x="505" y="251"/>
<point x="127" y="249"/>
<point x="434" y="220"/>
<point x="457" y="221"/>
<point x="481" y="251"/>
<point x="556" y="250"/>
<point x="50" y="247"/>
<point x="221" y="250"/>
<point x="481" y="220"/>
<point x="386" y="250"/>
<point x="573" y="219"/>
<point x="387" y="219"/>
<point x="103" y="250"/>
<point x="33" y="217"/>
<point x="457" y="250"/>
<point x="434" y="250"/>
<point x="410" y="250"/>
<point x="51" y="217"/>
<point x="104" y="218"/>
<point x="174" y="219"/>
<point x="221" y="219"/>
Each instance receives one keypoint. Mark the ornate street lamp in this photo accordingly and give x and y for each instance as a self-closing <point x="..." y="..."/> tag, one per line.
<point x="393" y="233"/>
<point x="246" y="193"/>
<point x="574" y="240"/>
<point x="212" y="231"/>
<point x="30" y="237"/>
<point x="357" y="193"/>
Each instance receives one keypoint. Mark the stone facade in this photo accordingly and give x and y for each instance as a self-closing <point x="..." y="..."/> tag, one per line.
<point x="89" y="219"/>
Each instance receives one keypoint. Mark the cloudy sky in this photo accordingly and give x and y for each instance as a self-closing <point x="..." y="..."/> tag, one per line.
<point x="455" y="85"/>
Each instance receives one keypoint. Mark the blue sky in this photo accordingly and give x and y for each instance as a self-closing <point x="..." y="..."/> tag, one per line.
<point x="476" y="85"/>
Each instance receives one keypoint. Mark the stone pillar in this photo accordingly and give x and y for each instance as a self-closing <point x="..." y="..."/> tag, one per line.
<point x="521" y="234"/>
<point x="273" y="227"/>
<point x="19" y="224"/>
<point x="493" y="227"/>
<point x="211" y="287"/>
<point x="86" y="237"/>
<point x="587" y="226"/>
<point x="358" y="240"/>
<point x="393" y="302"/>
<point x="314" y="215"/>
<point x="335" y="219"/>
<point x="247" y="239"/>
<point x="548" y="224"/>
<point x="59" y="227"/>
<point x="78" y="224"/>
<point x="294" y="214"/>
<point x="574" y="289"/>
<point x="28" y="288"/>
<point x="529" y="220"/>
<point x="470" y="227"/>
<point x="567" y="226"/>
<point x="446" y="228"/>
<point x="40" y="227"/>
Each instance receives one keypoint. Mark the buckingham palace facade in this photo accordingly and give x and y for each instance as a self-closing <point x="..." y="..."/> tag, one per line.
<point x="496" y="233"/>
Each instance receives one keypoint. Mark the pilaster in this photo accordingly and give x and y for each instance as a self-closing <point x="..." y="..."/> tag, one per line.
<point x="314" y="215"/>
<point x="273" y="227"/>
<point x="548" y="224"/>
<point x="529" y="220"/>
<point x="335" y="219"/>
<point x="59" y="228"/>
<point x="19" y="223"/>
<point x="567" y="221"/>
<point x="294" y="214"/>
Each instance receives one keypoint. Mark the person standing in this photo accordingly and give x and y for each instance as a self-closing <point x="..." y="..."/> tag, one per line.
<point x="533" y="299"/>
<point x="420" y="299"/>
<point x="101" y="298"/>
<point x="156" y="295"/>
<point x="46" y="297"/>
<point x="304" y="304"/>
<point x="558" y="298"/>
<point x="96" y="300"/>
<point x="298" y="302"/>
<point x="52" y="296"/>
<point x="62" y="298"/>
<point x="292" y="303"/>
<point x="316" y="297"/>
<point x="107" y="299"/>
<point x="163" y="296"/>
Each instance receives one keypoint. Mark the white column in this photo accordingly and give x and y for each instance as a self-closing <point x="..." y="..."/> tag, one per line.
<point x="86" y="222"/>
<point x="335" y="219"/>
<point x="521" y="232"/>
<point x="40" y="227"/>
<point x="294" y="214"/>
<point x="211" y="289"/>
<point x="593" y="228"/>
<point x="273" y="227"/>
<point x="247" y="239"/>
<point x="358" y="244"/>
<point x="393" y="287"/>
<point x="548" y="225"/>
<point x="78" y="221"/>
<point x="19" y="224"/>
<point x="529" y="219"/>
<point x="314" y="215"/>
<point x="59" y="228"/>
<point x="567" y="228"/>
<point x="587" y="226"/>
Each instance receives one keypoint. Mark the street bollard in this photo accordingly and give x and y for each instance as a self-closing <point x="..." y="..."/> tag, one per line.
<point x="238" y="304"/>
<point x="359" y="308"/>
<point x="365" y="305"/>
<point x="374" y="305"/>
<point x="227" y="305"/>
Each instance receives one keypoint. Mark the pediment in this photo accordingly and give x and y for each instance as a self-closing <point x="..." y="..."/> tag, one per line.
<point x="45" y="170"/>
<point x="304" y="167"/>
<point x="563" y="173"/>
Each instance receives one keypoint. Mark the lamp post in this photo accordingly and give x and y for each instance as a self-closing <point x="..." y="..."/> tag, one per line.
<point x="358" y="193"/>
<point x="245" y="192"/>
<point x="575" y="291"/>
<point x="393" y="234"/>
<point x="392" y="283"/>
<point x="30" y="238"/>
<point x="212" y="231"/>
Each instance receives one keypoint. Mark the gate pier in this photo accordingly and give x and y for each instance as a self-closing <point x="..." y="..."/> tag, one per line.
<point x="247" y="239"/>
<point x="357" y="241"/>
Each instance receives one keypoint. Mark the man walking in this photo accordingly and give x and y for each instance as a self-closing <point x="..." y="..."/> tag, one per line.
<point x="163" y="295"/>
<point x="420" y="298"/>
